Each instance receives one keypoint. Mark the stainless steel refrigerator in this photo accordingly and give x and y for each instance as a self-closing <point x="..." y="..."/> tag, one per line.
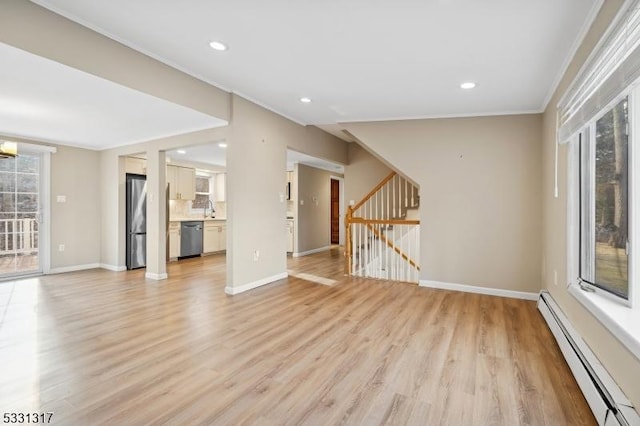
<point x="136" y="221"/>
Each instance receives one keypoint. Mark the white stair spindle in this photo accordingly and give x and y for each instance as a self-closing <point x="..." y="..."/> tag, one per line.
<point x="363" y="251"/>
<point x="375" y="210"/>
<point x="403" y="249"/>
<point x="385" y="201"/>
<point x="357" y="252"/>
<point x="388" y="200"/>
<point x="394" y="180"/>
<point x="406" y="194"/>
<point x="416" y="237"/>
<point x="407" y="263"/>
<point x="354" y="245"/>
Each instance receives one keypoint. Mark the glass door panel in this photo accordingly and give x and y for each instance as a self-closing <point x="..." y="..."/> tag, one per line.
<point x="19" y="215"/>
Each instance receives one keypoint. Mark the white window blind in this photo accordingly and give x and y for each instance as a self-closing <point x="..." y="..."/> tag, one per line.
<point x="612" y="68"/>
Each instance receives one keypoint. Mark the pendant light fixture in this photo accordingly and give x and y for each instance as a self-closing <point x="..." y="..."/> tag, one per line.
<point x="8" y="149"/>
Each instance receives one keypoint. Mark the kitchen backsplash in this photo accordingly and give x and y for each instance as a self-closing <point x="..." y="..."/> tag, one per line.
<point x="180" y="208"/>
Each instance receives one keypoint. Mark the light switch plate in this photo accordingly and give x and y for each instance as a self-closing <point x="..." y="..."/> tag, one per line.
<point x="61" y="198"/>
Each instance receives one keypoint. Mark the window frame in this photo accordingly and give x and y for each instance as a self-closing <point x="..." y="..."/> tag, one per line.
<point x="634" y="197"/>
<point x="587" y="135"/>
<point x="620" y="316"/>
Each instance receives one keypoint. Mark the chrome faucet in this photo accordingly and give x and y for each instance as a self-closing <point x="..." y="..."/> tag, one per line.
<point x="209" y="203"/>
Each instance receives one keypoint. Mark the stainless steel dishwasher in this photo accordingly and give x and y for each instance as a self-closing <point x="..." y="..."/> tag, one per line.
<point x="191" y="238"/>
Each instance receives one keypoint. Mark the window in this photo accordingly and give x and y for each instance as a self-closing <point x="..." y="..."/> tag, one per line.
<point x="603" y="198"/>
<point x="604" y="201"/>
<point x="203" y="193"/>
<point x="599" y="117"/>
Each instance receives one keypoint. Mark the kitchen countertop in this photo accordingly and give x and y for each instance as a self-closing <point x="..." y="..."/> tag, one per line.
<point x="189" y="219"/>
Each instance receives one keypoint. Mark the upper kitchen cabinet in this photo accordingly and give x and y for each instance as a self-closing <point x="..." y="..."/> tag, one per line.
<point x="135" y="165"/>
<point x="182" y="183"/>
<point x="220" y="190"/>
<point x="187" y="183"/>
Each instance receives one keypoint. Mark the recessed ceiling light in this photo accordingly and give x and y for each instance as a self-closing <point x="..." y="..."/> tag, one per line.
<point x="468" y="85"/>
<point x="222" y="145"/>
<point x="305" y="100"/>
<point x="216" y="45"/>
<point x="181" y="151"/>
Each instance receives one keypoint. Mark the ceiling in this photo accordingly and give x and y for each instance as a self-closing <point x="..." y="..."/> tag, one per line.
<point x="45" y="100"/>
<point x="212" y="154"/>
<point x="361" y="59"/>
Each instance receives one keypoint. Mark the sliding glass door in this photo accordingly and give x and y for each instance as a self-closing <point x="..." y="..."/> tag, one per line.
<point x="20" y="201"/>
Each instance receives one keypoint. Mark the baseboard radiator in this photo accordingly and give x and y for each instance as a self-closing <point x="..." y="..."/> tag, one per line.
<point x="609" y="405"/>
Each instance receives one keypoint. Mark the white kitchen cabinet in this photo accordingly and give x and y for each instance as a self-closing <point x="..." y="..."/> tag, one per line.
<point x="182" y="183"/>
<point x="220" y="187"/>
<point x="214" y="237"/>
<point x="172" y="180"/>
<point x="290" y="236"/>
<point x="174" y="240"/>
<point x="135" y="165"/>
<point x="187" y="183"/>
<point x="210" y="239"/>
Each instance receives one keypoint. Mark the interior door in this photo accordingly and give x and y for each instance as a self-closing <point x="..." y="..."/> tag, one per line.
<point x="20" y="202"/>
<point x="335" y="211"/>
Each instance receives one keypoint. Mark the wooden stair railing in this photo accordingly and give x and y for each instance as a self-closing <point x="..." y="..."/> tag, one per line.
<point x="391" y="245"/>
<point x="385" y="205"/>
<point x="371" y="193"/>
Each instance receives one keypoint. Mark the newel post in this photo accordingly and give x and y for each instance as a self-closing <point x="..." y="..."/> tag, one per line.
<point x="347" y="248"/>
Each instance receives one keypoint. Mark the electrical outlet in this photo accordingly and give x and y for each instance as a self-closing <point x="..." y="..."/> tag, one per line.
<point x="555" y="277"/>
<point x="61" y="247"/>
<point x="256" y="255"/>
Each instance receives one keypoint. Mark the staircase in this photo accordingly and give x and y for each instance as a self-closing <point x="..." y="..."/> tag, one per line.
<point x="383" y="232"/>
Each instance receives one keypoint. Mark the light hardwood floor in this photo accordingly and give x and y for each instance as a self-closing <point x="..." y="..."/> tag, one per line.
<point x="101" y="347"/>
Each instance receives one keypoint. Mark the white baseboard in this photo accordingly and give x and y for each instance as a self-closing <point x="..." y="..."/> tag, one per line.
<point x="317" y="250"/>
<point x="156" y="277"/>
<point x="113" y="267"/>
<point x="481" y="290"/>
<point x="254" y="284"/>
<point x="73" y="268"/>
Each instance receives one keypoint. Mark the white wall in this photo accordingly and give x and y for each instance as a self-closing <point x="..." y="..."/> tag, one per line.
<point x="314" y="216"/>
<point x="362" y="174"/>
<point x="480" y="182"/>
<point x="75" y="173"/>
<point x="256" y="179"/>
